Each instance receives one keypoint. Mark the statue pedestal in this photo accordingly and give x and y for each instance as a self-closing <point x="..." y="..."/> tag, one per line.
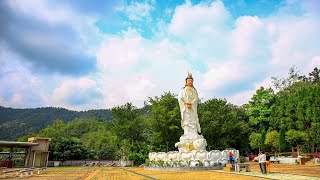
<point x="196" y="159"/>
<point x="190" y="142"/>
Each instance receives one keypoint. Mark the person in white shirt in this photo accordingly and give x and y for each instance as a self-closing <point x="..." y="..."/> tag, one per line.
<point x="259" y="160"/>
<point x="262" y="162"/>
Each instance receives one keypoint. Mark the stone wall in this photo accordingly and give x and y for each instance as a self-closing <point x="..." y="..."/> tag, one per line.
<point x="84" y="162"/>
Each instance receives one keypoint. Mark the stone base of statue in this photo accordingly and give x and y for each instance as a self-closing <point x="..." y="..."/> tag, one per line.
<point x="192" y="155"/>
<point x="190" y="142"/>
<point x="193" y="160"/>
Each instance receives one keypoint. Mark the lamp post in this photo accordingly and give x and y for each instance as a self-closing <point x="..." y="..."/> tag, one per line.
<point x="167" y="147"/>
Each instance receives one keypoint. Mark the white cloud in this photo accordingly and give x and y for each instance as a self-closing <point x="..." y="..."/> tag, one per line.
<point x="241" y="98"/>
<point x="221" y="74"/>
<point x="315" y="62"/>
<point x="189" y="21"/>
<point x="40" y="10"/>
<point x="244" y="97"/>
<point x="137" y="11"/>
<point x="76" y="94"/>
<point x="133" y="68"/>
<point x="55" y="16"/>
<point x="19" y="87"/>
<point x="121" y="52"/>
<point x="137" y="88"/>
<point x="249" y="38"/>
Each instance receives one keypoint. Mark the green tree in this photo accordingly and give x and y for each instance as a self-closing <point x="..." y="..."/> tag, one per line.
<point x="52" y="131"/>
<point x="296" y="138"/>
<point x="282" y="140"/>
<point x="259" y="108"/>
<point x="222" y="124"/>
<point x="63" y="148"/>
<point x="273" y="139"/>
<point x="255" y="140"/>
<point x="296" y="105"/>
<point x="314" y="134"/>
<point x="283" y="83"/>
<point x="164" y="120"/>
<point x="102" y="142"/>
<point x="128" y="122"/>
<point x="314" y="76"/>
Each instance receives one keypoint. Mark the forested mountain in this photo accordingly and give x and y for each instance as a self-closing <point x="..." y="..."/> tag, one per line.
<point x="15" y="123"/>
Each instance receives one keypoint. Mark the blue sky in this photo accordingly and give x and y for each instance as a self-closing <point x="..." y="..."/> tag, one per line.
<point x="98" y="54"/>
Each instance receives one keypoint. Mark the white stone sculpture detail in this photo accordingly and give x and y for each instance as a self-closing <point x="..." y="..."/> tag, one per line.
<point x="153" y="156"/>
<point x="186" y="156"/>
<point x="214" y="155"/>
<point x="188" y="103"/>
<point x="173" y="156"/>
<point x="162" y="156"/>
<point x="200" y="155"/>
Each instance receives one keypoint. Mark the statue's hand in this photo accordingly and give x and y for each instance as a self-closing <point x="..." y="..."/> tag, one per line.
<point x="188" y="105"/>
<point x="199" y="129"/>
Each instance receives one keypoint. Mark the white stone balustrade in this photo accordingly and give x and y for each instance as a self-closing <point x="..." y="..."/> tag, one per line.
<point x="173" y="156"/>
<point x="200" y="155"/>
<point x="186" y="156"/>
<point x="214" y="155"/>
<point x="153" y="156"/>
<point x="162" y="156"/>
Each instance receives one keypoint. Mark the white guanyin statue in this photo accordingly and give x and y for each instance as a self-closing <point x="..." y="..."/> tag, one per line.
<point x="192" y="145"/>
<point x="188" y="102"/>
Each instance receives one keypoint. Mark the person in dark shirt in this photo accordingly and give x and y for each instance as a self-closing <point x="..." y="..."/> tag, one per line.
<point x="267" y="162"/>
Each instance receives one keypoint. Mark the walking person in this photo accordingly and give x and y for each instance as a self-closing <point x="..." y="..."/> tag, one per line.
<point x="267" y="162"/>
<point x="259" y="161"/>
<point x="230" y="155"/>
<point x="262" y="162"/>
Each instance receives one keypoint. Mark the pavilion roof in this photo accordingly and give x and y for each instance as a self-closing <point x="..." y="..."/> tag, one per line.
<point x="17" y="144"/>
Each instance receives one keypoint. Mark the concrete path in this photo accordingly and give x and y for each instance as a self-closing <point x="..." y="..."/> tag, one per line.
<point x="275" y="175"/>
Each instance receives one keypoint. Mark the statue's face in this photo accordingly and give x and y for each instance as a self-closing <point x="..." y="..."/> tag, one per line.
<point x="189" y="82"/>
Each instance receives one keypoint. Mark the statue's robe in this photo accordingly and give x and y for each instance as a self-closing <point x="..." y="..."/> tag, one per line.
<point x="189" y="117"/>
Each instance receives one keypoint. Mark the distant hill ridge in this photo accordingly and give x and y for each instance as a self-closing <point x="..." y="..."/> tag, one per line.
<point x="15" y="123"/>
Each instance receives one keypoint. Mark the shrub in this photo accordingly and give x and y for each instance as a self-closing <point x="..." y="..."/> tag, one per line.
<point x="147" y="163"/>
<point x="18" y="162"/>
<point x="137" y="158"/>
<point x="241" y="159"/>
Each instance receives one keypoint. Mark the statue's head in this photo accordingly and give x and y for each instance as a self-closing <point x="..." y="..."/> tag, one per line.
<point x="189" y="80"/>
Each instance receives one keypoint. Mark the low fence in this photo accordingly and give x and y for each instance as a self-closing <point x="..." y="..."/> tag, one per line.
<point x="95" y="162"/>
<point x="288" y="160"/>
